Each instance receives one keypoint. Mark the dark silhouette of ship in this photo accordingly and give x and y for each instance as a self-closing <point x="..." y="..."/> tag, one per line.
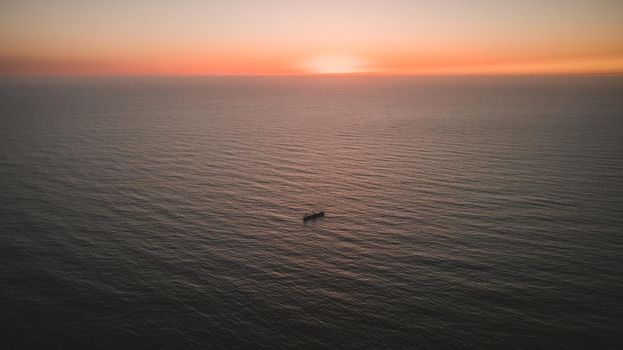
<point x="313" y="216"/>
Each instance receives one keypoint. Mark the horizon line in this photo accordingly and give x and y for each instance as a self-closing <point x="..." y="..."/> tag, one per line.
<point x="327" y="75"/>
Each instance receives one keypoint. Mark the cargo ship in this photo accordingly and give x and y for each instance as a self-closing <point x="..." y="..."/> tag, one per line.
<point x="313" y="216"/>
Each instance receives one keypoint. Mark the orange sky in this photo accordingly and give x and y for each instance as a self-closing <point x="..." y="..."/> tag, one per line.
<point x="70" y="37"/>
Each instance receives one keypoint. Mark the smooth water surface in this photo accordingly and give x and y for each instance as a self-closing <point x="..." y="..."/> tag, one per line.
<point x="167" y="212"/>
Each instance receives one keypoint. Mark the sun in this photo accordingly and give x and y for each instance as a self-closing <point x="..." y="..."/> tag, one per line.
<point x="335" y="64"/>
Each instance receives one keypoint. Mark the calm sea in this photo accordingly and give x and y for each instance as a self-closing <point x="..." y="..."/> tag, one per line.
<point x="167" y="213"/>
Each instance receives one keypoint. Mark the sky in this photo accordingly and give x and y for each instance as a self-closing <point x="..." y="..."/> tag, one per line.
<point x="295" y="37"/>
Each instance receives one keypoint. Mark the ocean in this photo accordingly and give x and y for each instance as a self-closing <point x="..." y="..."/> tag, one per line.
<point x="461" y="212"/>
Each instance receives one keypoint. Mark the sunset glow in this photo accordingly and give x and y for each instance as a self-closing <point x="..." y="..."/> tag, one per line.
<point x="274" y="37"/>
<point x="335" y="64"/>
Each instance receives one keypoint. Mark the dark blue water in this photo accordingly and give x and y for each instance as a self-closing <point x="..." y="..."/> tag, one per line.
<point x="167" y="213"/>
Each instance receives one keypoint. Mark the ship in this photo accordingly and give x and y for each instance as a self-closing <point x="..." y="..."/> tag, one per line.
<point x="313" y="216"/>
